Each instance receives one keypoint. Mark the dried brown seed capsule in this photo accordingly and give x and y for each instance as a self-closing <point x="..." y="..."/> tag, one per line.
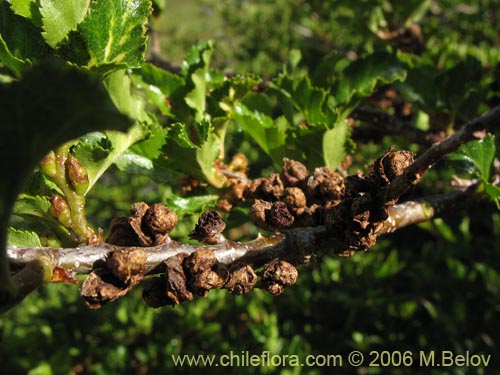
<point x="158" y="222"/>
<point x="391" y="164"/>
<point x="276" y="275"/>
<point x="279" y="216"/>
<point x="272" y="186"/>
<point x="241" y="279"/>
<point x="204" y="272"/>
<point x="325" y="184"/>
<point x="209" y="228"/>
<point x="258" y="212"/>
<point x="236" y="195"/>
<point x="128" y="266"/>
<point x="154" y="295"/>
<point x="293" y="173"/>
<point x="147" y="226"/>
<point x="175" y="280"/>
<point x="121" y="233"/>
<point x="396" y="162"/>
<point x="159" y="219"/>
<point x="101" y="287"/>
<point x="295" y="200"/>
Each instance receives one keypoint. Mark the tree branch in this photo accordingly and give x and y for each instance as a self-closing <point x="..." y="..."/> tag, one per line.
<point x="388" y="124"/>
<point x="412" y="175"/>
<point x="295" y="246"/>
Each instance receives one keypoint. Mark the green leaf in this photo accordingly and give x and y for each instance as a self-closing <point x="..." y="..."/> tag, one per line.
<point x="15" y="65"/>
<point x="206" y="156"/>
<point x="476" y="157"/>
<point x="360" y="78"/>
<point x="270" y="135"/>
<point x="197" y="73"/>
<point x="494" y="192"/>
<point x="118" y="85"/>
<point x="184" y="157"/>
<point x="224" y="99"/>
<point x="190" y="205"/>
<point x="21" y="36"/>
<point x="23" y="238"/>
<point x="159" y="84"/>
<point x="59" y="17"/>
<point x="37" y="208"/>
<point x="124" y="41"/>
<point x="28" y="9"/>
<point x="97" y="151"/>
<point x="334" y="144"/>
<point x="310" y="101"/>
<point x="28" y="205"/>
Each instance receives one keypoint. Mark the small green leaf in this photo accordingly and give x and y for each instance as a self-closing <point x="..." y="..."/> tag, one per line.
<point x="270" y="135"/>
<point x="28" y="205"/>
<point x="97" y="151"/>
<point x="180" y="134"/>
<point x="185" y="157"/>
<point x="119" y="87"/>
<point x="476" y="157"/>
<point x="15" y="65"/>
<point x="159" y="84"/>
<point x="334" y="144"/>
<point x="28" y="9"/>
<point x="310" y="101"/>
<point x="23" y="238"/>
<point x="124" y="41"/>
<point x="59" y="17"/>
<point x="20" y="35"/>
<point x="198" y="64"/>
<point x="360" y="78"/>
<point x="191" y="205"/>
<point x="37" y="208"/>
<point x="494" y="192"/>
<point x="206" y="156"/>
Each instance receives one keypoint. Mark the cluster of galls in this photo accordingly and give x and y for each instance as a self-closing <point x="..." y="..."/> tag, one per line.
<point x="181" y="276"/>
<point x="185" y="275"/>
<point x="351" y="207"/>
<point x="125" y="268"/>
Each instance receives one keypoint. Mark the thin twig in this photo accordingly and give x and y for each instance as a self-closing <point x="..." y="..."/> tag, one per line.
<point x="388" y="124"/>
<point x="412" y="175"/>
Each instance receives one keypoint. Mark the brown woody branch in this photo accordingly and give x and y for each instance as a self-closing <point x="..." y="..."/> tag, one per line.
<point x="388" y="124"/>
<point x="412" y="175"/>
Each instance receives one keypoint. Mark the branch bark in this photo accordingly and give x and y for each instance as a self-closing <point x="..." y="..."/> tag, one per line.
<point x="388" y="124"/>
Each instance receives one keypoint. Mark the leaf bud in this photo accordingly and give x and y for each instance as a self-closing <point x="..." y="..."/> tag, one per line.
<point x="76" y="175"/>
<point x="60" y="210"/>
<point x="48" y="165"/>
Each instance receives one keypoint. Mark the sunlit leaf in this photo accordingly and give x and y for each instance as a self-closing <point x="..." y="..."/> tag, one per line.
<point x="334" y="144"/>
<point x="23" y="238"/>
<point x="59" y="17"/>
<point x="124" y="41"/>
<point x="476" y="157"/>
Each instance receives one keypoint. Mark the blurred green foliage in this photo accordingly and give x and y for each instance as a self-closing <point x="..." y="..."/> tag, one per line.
<point x="434" y="286"/>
